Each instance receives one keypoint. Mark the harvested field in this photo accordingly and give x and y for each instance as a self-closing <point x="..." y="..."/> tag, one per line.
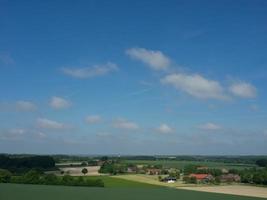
<point x="76" y="171"/>
<point x="242" y="190"/>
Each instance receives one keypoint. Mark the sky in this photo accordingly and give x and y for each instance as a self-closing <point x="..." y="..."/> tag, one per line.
<point x="133" y="77"/>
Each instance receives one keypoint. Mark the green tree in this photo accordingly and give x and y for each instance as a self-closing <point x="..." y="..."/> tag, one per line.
<point x="84" y="171"/>
<point x="261" y="162"/>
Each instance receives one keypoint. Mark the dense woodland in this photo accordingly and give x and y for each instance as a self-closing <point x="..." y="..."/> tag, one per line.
<point x="19" y="164"/>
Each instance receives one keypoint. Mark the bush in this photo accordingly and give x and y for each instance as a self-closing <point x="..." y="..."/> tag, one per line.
<point x="16" y="179"/>
<point x="188" y="179"/>
<point x="50" y="179"/>
<point x="31" y="177"/>
<point x="5" y="176"/>
<point x="67" y="180"/>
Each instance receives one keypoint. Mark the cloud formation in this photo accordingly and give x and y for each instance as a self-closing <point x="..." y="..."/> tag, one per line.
<point x="50" y="124"/>
<point x="156" y="60"/>
<point x="93" y="119"/>
<point x="59" y="103"/>
<point x="89" y="72"/>
<point x="25" y="106"/>
<point x="243" y="90"/>
<point x="165" y="129"/>
<point x="196" y="86"/>
<point x="124" y="124"/>
<point x="210" y="127"/>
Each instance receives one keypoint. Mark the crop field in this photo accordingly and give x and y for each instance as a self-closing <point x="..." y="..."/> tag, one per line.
<point x="42" y="192"/>
<point x="181" y="164"/>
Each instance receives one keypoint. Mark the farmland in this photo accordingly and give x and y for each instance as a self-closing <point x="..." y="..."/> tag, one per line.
<point x="181" y="164"/>
<point x="41" y="192"/>
<point x="236" y="189"/>
<point x="113" y="181"/>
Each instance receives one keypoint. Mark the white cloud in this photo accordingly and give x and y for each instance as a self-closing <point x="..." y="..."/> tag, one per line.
<point x="59" y="103"/>
<point x="124" y="124"/>
<point x="165" y="129"/>
<point x="196" y="86"/>
<point x="17" y="131"/>
<point x="156" y="60"/>
<point x="93" y="119"/>
<point x="50" y="124"/>
<point x="93" y="71"/>
<point x="25" y="106"/>
<point x="243" y="90"/>
<point x="209" y="127"/>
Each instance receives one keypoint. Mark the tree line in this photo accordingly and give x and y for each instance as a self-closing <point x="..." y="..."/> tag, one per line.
<point x="36" y="177"/>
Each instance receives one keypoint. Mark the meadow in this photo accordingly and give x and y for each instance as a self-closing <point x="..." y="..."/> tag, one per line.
<point x="44" y="192"/>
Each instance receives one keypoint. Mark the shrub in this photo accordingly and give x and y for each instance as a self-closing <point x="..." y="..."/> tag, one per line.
<point x="5" y="176"/>
<point x="31" y="177"/>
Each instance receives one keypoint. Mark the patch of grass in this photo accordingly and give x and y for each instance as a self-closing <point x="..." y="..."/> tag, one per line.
<point x="44" y="192"/>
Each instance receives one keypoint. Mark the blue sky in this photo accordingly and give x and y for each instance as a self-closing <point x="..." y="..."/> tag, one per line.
<point x="135" y="77"/>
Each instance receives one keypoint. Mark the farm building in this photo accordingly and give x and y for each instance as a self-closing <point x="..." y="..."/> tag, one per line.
<point x="153" y="171"/>
<point x="230" y="178"/>
<point x="169" y="179"/>
<point x="132" y="169"/>
<point x="202" y="177"/>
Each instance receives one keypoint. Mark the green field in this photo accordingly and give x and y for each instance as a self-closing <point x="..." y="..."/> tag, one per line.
<point x="42" y="192"/>
<point x="181" y="164"/>
<point x="111" y="182"/>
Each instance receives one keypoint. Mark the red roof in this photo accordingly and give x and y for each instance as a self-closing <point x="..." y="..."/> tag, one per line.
<point x="199" y="176"/>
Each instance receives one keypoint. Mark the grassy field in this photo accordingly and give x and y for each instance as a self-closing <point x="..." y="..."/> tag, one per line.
<point x="42" y="192"/>
<point x="112" y="182"/>
<point x="150" y="179"/>
<point x="182" y="164"/>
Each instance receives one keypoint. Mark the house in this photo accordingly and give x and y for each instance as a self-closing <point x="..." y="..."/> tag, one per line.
<point x="100" y="162"/>
<point x="131" y="169"/>
<point x="230" y="178"/>
<point x="153" y="171"/>
<point x="169" y="179"/>
<point x="225" y="171"/>
<point x="202" y="168"/>
<point x="202" y="177"/>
